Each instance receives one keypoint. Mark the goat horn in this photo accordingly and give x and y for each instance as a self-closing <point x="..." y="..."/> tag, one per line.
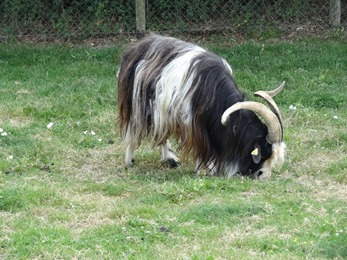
<point x="276" y="91"/>
<point x="267" y="96"/>
<point x="271" y="120"/>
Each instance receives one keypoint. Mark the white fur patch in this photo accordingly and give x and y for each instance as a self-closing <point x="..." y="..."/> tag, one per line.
<point x="226" y="64"/>
<point x="276" y="159"/>
<point x="172" y="101"/>
<point x="232" y="170"/>
<point x="278" y="153"/>
<point x="167" y="153"/>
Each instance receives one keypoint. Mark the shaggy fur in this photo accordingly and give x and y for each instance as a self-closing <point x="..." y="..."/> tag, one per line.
<point x="168" y="87"/>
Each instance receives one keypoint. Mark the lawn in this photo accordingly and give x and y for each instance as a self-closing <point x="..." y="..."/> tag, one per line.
<point x="65" y="193"/>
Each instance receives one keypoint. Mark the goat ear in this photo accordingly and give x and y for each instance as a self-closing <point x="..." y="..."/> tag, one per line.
<point x="256" y="154"/>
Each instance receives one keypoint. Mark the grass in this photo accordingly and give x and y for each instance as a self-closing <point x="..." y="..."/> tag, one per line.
<point x="64" y="191"/>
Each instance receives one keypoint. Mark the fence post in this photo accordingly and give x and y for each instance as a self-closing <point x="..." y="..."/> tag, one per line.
<point x="335" y="12"/>
<point x="140" y="18"/>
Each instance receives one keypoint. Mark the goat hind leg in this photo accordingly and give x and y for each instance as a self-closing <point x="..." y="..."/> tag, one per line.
<point x="167" y="154"/>
<point x="202" y="170"/>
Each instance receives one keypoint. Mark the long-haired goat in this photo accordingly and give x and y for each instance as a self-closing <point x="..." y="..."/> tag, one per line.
<point x="170" y="87"/>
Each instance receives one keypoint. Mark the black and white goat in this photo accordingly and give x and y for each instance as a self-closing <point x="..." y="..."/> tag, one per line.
<point x="168" y="87"/>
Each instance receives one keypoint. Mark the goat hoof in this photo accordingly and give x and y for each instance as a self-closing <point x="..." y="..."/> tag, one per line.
<point x="173" y="163"/>
<point x="130" y="164"/>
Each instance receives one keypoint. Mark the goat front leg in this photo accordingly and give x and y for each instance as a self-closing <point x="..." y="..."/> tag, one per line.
<point x="130" y="149"/>
<point x="129" y="155"/>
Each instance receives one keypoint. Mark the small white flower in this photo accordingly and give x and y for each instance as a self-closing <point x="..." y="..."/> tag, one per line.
<point x="4" y="134"/>
<point x="291" y="107"/>
<point x="99" y="140"/>
<point x="85" y="132"/>
<point x="50" y="125"/>
<point x="335" y="117"/>
<point x="92" y="132"/>
<point x="78" y="123"/>
<point x="1" y="130"/>
<point x="10" y="157"/>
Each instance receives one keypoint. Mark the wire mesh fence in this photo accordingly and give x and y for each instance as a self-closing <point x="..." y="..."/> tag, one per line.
<point x="94" y="18"/>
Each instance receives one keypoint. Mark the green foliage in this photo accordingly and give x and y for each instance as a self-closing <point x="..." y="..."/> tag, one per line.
<point x="221" y="214"/>
<point x="63" y="18"/>
<point x="237" y="15"/>
<point x="338" y="171"/>
<point x="11" y="200"/>
<point x="82" y="18"/>
<point x="36" y="239"/>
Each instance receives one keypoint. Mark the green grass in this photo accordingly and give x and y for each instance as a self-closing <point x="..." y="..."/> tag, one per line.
<point x="65" y="193"/>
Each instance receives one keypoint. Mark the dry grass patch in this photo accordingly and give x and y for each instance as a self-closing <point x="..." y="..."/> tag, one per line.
<point x="88" y="211"/>
<point x="323" y="190"/>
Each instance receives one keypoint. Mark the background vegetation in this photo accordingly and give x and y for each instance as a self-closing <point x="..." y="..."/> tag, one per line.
<point x="64" y="191"/>
<point x="63" y="19"/>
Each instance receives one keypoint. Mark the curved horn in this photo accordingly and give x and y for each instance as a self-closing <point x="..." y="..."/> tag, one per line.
<point x="267" y="96"/>
<point x="271" y="120"/>
<point x="276" y="91"/>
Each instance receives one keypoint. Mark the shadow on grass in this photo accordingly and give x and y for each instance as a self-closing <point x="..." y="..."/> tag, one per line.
<point x="160" y="173"/>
